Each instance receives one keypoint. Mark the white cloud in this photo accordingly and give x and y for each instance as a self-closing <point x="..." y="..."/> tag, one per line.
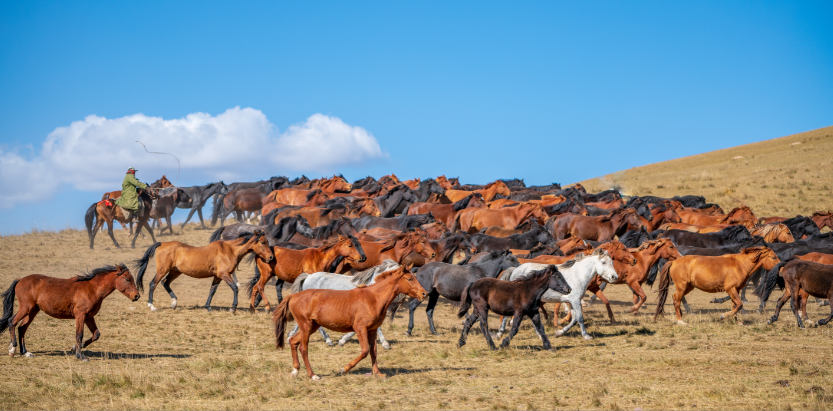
<point x="93" y="154"/>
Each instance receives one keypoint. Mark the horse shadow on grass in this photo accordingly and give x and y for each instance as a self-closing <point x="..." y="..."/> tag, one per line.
<point x="395" y="371"/>
<point x="106" y="355"/>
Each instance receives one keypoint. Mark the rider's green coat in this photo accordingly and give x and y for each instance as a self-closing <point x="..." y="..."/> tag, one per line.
<point x="129" y="199"/>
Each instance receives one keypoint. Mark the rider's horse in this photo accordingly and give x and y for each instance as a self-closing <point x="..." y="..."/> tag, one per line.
<point x="107" y="211"/>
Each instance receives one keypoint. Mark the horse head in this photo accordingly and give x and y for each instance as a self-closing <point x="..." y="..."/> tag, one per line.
<point x="125" y="284"/>
<point x="603" y="265"/>
<point x="302" y="226"/>
<point x="763" y="255"/>
<point x="420" y="244"/>
<point x="260" y="246"/>
<point x="406" y="282"/>
<point x="349" y="247"/>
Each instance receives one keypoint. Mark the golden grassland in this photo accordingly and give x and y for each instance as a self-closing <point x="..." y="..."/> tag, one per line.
<point x="190" y="358"/>
<point x="784" y="176"/>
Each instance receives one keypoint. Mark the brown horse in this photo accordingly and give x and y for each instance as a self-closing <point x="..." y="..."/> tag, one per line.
<point x="472" y="220"/>
<point x="412" y="184"/>
<point x="395" y="248"/>
<point x="314" y="198"/>
<point x="803" y="279"/>
<point x="737" y="215"/>
<point x="660" y="214"/>
<point x="489" y="192"/>
<point x="389" y="181"/>
<point x="712" y="274"/>
<point x="819" y="258"/>
<point x="431" y="231"/>
<point x="78" y="297"/>
<point x="444" y="183"/>
<point x="823" y="219"/>
<point x="774" y="233"/>
<point x="107" y="211"/>
<point x="608" y="205"/>
<point x="601" y="228"/>
<point x="161" y="183"/>
<point x="447" y="212"/>
<point x="289" y="264"/>
<point x="361" y="310"/>
<point x="217" y="260"/>
<point x="712" y="209"/>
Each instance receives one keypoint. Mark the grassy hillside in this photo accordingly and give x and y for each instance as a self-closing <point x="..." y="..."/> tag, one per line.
<point x="783" y="176"/>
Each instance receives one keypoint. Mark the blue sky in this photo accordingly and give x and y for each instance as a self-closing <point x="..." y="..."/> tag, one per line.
<point x="548" y="91"/>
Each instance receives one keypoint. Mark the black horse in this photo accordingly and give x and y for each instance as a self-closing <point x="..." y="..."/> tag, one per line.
<point x="727" y="236"/>
<point x="514" y="183"/>
<point x="537" y="234"/>
<point x="449" y="281"/>
<point x="546" y="188"/>
<point x="428" y="187"/>
<point x="401" y="223"/>
<point x="363" y="182"/>
<point x="276" y="233"/>
<point x="635" y="238"/>
<point x="520" y="298"/>
<point x="800" y="226"/>
<point x="267" y="186"/>
<point x="395" y="200"/>
<point x="195" y="197"/>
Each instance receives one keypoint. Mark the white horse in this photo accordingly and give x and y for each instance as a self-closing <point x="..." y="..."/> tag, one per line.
<point x="331" y="281"/>
<point x="578" y="274"/>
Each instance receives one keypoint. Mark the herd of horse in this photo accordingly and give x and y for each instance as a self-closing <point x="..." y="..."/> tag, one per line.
<point x="357" y="252"/>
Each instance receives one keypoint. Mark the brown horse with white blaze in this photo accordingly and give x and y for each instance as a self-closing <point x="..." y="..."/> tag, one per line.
<point x="361" y="310"/>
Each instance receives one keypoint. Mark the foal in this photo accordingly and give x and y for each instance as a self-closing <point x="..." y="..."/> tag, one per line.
<point x="361" y="310"/>
<point x="520" y="298"/>
<point x="79" y="298"/>
<point x="218" y="260"/>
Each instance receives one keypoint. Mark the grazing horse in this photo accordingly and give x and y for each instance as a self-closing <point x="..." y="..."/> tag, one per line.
<point x="521" y="298"/>
<point x="602" y="228"/>
<point x="774" y="233"/>
<point x="823" y="219"/>
<point x="578" y="273"/>
<point x="289" y="264"/>
<point x="360" y="310"/>
<point x="332" y="281"/>
<point x="107" y="211"/>
<point x="78" y="297"/>
<point x="217" y="260"/>
<point x="447" y="212"/>
<point x="727" y="273"/>
<point x="472" y="220"/>
<point x="489" y="192"/>
<point x="449" y="281"/>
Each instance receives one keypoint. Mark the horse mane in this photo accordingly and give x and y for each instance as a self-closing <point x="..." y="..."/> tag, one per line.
<point x="617" y="212"/>
<point x="570" y="263"/>
<point x="461" y="204"/>
<point x="313" y="193"/>
<point x="723" y="219"/>
<point x="755" y="250"/>
<point x="393" y="190"/>
<point x="328" y="229"/>
<point x="416" y="220"/>
<point x="539" y="275"/>
<point x="330" y="208"/>
<point x="765" y="230"/>
<point x="391" y="241"/>
<point x="452" y="242"/>
<point x="89" y="275"/>
<point x="366" y="276"/>
<point x="647" y="244"/>
<point x="822" y="213"/>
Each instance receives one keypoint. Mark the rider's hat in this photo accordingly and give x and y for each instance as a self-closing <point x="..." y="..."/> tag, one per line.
<point x="131" y="170"/>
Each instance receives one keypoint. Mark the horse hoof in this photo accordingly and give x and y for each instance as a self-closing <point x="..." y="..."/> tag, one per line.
<point x="329" y="343"/>
<point x="28" y="355"/>
<point x="380" y="375"/>
<point x="722" y="316"/>
<point x="341" y="343"/>
<point x="152" y="308"/>
<point x="11" y="350"/>
<point x="386" y="346"/>
<point x="408" y="333"/>
<point x="315" y="377"/>
<point x="559" y="333"/>
<point x="497" y="336"/>
<point x="680" y="322"/>
<point x="294" y="372"/>
<point x="588" y="337"/>
<point x="173" y="304"/>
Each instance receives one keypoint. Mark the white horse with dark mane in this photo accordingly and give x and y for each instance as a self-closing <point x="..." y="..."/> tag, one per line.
<point x="578" y="274"/>
<point x="332" y="281"/>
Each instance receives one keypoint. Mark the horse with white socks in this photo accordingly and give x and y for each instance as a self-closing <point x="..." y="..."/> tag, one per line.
<point x="578" y="274"/>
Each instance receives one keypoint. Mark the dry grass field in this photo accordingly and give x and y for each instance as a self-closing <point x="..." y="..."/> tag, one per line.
<point x="189" y="358"/>
<point x="783" y="176"/>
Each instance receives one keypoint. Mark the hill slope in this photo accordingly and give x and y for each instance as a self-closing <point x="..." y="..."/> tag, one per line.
<point x="783" y="176"/>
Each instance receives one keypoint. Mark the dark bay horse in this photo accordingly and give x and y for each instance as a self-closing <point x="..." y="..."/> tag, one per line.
<point x="360" y="310"/>
<point x="395" y="248"/>
<point x="78" y="297"/>
<point x="217" y="260"/>
<point x="245" y="199"/>
<point x="602" y="228"/>
<point x="396" y="200"/>
<point x="520" y="298"/>
<point x="537" y="234"/>
<point x="804" y="279"/>
<point x="107" y="211"/>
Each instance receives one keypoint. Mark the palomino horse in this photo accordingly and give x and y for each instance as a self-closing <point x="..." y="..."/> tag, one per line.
<point x="107" y="211"/>
<point x="472" y="220"/>
<point x="601" y="228"/>
<point x="217" y="260"/>
<point x="521" y="298"/>
<point x="804" y="276"/>
<point x="447" y="212"/>
<point x="489" y="192"/>
<point x="78" y="297"/>
<point x="289" y="264"/>
<point x="727" y="273"/>
<point x="774" y="233"/>
<point x="360" y="310"/>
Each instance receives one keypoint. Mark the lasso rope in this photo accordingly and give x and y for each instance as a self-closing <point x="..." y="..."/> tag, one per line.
<point x="177" y="161"/>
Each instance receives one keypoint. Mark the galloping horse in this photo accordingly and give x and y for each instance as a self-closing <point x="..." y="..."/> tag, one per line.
<point x="489" y="192"/>
<point x="107" y="211"/>
<point x="78" y="297"/>
<point x="218" y="260"/>
<point x="360" y="310"/>
<point x="727" y="273"/>
<point x="473" y="220"/>
<point x="803" y="278"/>
<point x="601" y="228"/>
<point x="246" y="199"/>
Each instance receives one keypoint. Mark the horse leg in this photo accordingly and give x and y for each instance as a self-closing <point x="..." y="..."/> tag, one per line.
<point x="279" y="290"/>
<point x="516" y="324"/>
<point x="470" y="320"/>
<point x="21" y="330"/>
<point x="803" y="300"/>
<point x="326" y="336"/>
<point x="371" y="339"/>
<point x="90" y="322"/>
<point x="412" y="306"/>
<point x="161" y="269"/>
<point x="382" y="339"/>
<point x="545" y="313"/>
<point x="539" y="328"/>
<point x="227" y="278"/>
<point x="362" y="335"/>
<point x="639" y="294"/>
<point x="826" y="320"/>
<point x="604" y="299"/>
<point x="214" y="284"/>
<point x="305" y="350"/>
<point x="736" y="302"/>
<point x="483" y="314"/>
<point x="429" y="311"/>
<point x="720" y="300"/>
<point x="685" y="304"/>
<point x="170" y="226"/>
<point x="79" y="336"/>
<point x="191" y="214"/>
<point x="679" y="298"/>
<point x="110" y="232"/>
<point x="794" y="305"/>
<point x="593" y="297"/>
<point x="199" y="211"/>
<point x="345" y="338"/>
<point x="167" y="284"/>
<point x="778" y="305"/>
<point x="503" y="322"/>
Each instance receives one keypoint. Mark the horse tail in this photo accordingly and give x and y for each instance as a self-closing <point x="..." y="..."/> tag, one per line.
<point x="655" y="269"/>
<point x="279" y="319"/>
<point x="664" y="282"/>
<point x="770" y="280"/>
<point x="465" y="302"/>
<point x="8" y="307"/>
<point x="142" y="264"/>
<point x="298" y="286"/>
<point x="250" y="286"/>
<point x="219" y="208"/>
<point x="216" y="235"/>
<point x="89" y="219"/>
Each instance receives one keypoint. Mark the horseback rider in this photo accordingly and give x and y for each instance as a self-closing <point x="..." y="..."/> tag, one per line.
<point x="129" y="200"/>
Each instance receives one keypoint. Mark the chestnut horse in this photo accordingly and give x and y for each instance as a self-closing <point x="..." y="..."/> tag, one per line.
<point x="361" y="310"/>
<point x="79" y="297"/>
<point x="395" y="248"/>
<point x="737" y="215"/>
<point x="726" y="273"/>
<point x="823" y="219"/>
<point x="289" y="264"/>
<point x="314" y="198"/>
<point x="489" y="192"/>
<point x="601" y="228"/>
<point x="660" y="214"/>
<point x="472" y="220"/>
<point x="774" y="233"/>
<point x="447" y="212"/>
<point x="107" y="211"/>
<point x="217" y="260"/>
<point x="444" y="183"/>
